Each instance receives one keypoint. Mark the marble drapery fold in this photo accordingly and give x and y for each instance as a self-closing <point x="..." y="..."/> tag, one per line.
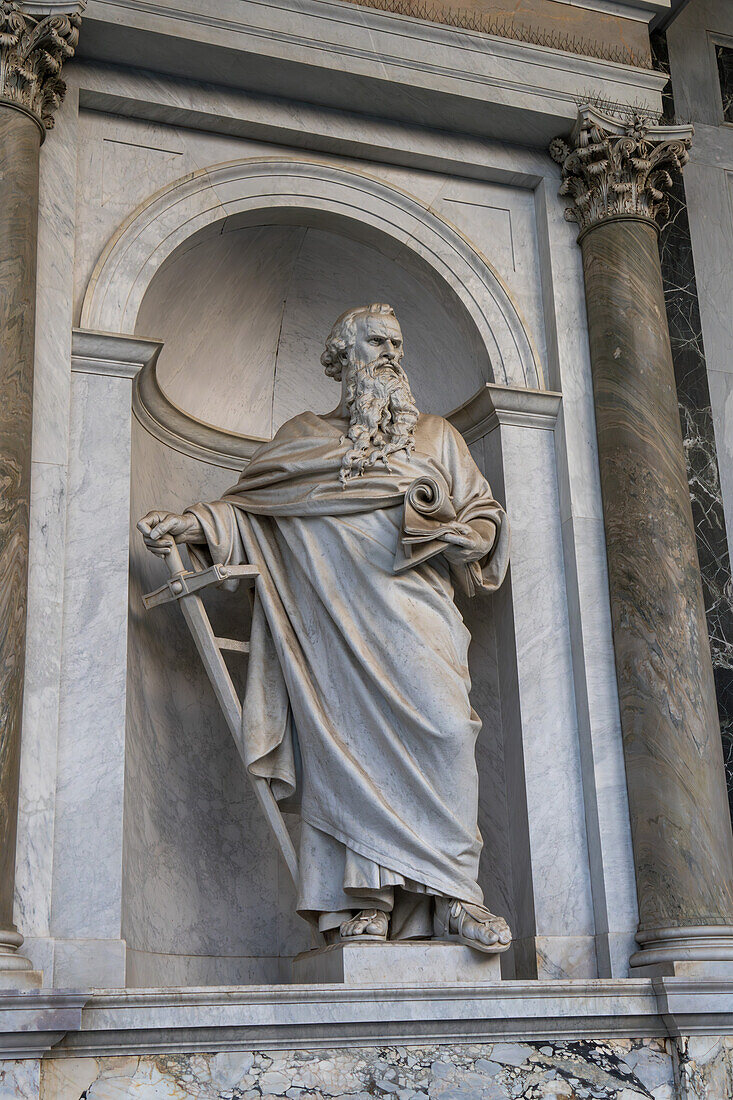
<point x="361" y="670"/>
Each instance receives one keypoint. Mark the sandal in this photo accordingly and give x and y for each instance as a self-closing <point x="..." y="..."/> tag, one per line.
<point x="450" y="918"/>
<point x="378" y="921"/>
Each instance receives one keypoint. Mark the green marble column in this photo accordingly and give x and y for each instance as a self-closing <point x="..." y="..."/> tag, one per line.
<point x="32" y="49"/>
<point x="616" y="173"/>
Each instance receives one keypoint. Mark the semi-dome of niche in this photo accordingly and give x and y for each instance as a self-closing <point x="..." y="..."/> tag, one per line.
<point x="244" y="316"/>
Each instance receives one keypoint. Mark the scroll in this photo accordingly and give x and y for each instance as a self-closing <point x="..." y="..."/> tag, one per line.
<point x="428" y="515"/>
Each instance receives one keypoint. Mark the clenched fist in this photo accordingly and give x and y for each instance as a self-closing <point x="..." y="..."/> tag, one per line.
<point x="161" y="529"/>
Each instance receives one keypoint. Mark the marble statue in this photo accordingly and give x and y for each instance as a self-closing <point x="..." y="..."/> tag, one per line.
<point x="361" y="522"/>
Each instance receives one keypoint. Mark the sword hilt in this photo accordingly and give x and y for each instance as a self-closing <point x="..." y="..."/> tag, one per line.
<point x="173" y="559"/>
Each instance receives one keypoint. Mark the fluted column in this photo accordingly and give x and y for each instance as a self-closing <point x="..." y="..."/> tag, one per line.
<point x="35" y="39"/>
<point x="616" y="173"/>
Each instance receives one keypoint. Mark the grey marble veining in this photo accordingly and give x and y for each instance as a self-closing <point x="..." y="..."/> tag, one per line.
<point x="52" y="390"/>
<point x="88" y="822"/>
<point x="594" y="675"/>
<point x="613" y="1069"/>
<point x="549" y="868"/>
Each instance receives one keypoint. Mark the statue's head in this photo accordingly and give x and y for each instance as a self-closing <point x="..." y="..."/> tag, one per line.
<point x="364" y="352"/>
<point x="361" y="337"/>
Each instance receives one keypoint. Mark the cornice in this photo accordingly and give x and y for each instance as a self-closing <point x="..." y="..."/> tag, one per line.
<point x="494" y="405"/>
<point x="111" y="354"/>
<point x="135" y="357"/>
<point x="387" y="65"/>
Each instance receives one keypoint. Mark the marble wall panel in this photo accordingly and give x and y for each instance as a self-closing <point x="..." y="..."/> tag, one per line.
<point x="88" y="822"/>
<point x="613" y="1069"/>
<point x="694" y="390"/>
<point x="51" y="403"/>
<point x="594" y="675"/>
<point x="20" y="1079"/>
<point x="495" y="870"/>
<point x="500" y="223"/>
<point x="703" y="1066"/>
<point x="544" y="790"/>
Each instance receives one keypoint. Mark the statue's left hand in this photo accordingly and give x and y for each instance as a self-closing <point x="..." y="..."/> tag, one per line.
<point x="468" y="543"/>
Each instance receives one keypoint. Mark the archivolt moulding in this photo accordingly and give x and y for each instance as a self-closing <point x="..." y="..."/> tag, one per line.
<point x="299" y="191"/>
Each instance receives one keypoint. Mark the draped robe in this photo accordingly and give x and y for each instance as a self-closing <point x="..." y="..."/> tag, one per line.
<point x="357" y="704"/>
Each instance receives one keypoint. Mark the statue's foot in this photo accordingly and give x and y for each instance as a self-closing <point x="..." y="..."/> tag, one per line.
<point x="470" y="924"/>
<point x="368" y="924"/>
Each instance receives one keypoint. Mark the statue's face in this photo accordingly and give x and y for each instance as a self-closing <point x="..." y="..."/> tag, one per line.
<point x="378" y="341"/>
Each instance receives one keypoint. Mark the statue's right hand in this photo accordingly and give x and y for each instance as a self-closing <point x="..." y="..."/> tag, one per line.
<point x="159" y="529"/>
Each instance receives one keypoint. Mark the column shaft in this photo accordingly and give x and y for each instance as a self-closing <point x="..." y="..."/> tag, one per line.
<point x="19" y="149"/>
<point x="679" y="814"/>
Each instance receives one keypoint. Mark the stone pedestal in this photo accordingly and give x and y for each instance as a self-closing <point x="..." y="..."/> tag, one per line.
<point x="405" y="963"/>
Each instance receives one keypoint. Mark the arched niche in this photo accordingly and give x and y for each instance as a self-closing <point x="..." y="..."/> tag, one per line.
<point x="282" y="191"/>
<point x="204" y="896"/>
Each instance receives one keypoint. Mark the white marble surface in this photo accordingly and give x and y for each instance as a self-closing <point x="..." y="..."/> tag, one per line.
<point x="608" y="828"/>
<point x="395" y="963"/>
<point x="544" y="786"/>
<point x="51" y="398"/>
<point x="355" y="57"/>
<point x="123" y="160"/>
<point x="88" y="830"/>
<point x="20" y="1079"/>
<point x="180" y="1021"/>
<point x="299" y="191"/>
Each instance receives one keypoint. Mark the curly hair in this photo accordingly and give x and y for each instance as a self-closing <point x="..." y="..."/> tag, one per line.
<point x="342" y="336"/>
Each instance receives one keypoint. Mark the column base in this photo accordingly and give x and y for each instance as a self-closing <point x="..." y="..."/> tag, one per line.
<point x="702" y="951"/>
<point x="16" y="972"/>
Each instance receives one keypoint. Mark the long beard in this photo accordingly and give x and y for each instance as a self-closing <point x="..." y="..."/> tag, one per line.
<point x="383" y="417"/>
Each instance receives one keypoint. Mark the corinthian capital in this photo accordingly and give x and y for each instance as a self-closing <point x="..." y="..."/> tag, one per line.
<point x="619" y="167"/>
<point x="35" y="40"/>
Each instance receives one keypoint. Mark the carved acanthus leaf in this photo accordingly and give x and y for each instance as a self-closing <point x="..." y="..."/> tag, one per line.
<point x="33" y="47"/>
<point x="614" y="166"/>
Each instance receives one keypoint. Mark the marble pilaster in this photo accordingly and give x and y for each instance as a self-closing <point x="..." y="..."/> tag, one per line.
<point x="86" y="911"/>
<point x="617" y="173"/>
<point x="512" y="435"/>
<point x="33" y="46"/>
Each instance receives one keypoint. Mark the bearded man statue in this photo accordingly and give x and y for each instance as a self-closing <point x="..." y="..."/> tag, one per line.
<point x="361" y="522"/>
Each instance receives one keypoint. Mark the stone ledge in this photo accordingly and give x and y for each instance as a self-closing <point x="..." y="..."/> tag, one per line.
<point x="31" y="1021"/>
<point x="137" y="1021"/>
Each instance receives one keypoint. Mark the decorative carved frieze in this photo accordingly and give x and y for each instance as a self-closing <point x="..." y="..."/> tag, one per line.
<point x="35" y="40"/>
<point x="619" y="166"/>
